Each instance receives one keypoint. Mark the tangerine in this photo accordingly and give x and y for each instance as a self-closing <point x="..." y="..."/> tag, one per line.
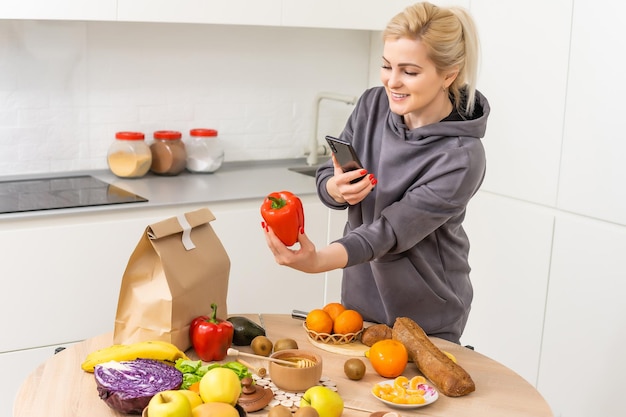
<point x="349" y="321"/>
<point x="334" y="309"/>
<point x="319" y="321"/>
<point x="388" y="358"/>
<point x="416" y="381"/>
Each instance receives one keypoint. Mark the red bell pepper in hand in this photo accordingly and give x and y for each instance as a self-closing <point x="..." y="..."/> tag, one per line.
<point x="283" y="212"/>
<point x="211" y="337"/>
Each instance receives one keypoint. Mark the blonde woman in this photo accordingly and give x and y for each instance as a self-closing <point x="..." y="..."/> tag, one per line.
<point x="404" y="252"/>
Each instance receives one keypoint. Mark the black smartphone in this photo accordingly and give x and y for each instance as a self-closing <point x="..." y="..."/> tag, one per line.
<point x="345" y="155"/>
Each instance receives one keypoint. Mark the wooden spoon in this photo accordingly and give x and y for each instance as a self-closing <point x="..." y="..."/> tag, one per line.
<point x="261" y="372"/>
<point x="301" y="363"/>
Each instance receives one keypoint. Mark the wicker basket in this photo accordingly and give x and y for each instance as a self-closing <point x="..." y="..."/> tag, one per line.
<point x="333" y="339"/>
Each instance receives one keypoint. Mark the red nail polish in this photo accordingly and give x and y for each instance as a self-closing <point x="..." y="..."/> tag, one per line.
<point x="371" y="177"/>
<point x="263" y="225"/>
<point x="302" y="230"/>
<point x="363" y="172"/>
<point x="374" y="181"/>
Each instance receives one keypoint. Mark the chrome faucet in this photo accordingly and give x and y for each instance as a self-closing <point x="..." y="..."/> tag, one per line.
<point x="315" y="149"/>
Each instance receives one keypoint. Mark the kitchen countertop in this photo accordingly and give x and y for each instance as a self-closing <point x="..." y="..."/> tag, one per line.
<point x="233" y="181"/>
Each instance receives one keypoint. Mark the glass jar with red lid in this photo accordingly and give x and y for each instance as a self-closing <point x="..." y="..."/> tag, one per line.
<point x="169" y="156"/>
<point x="204" y="151"/>
<point x="129" y="156"/>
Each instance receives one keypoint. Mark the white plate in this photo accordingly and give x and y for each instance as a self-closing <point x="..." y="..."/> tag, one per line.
<point x="430" y="396"/>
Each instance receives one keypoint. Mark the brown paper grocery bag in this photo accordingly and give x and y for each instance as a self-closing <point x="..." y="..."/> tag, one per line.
<point x="177" y="270"/>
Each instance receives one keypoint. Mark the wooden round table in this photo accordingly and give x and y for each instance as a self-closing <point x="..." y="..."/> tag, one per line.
<point x="60" y="388"/>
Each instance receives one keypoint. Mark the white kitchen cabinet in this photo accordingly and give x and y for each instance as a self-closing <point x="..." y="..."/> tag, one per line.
<point x="336" y="222"/>
<point x="347" y="14"/>
<point x="510" y="259"/>
<point x="238" y="12"/>
<point x="534" y="139"/>
<point x="257" y="283"/>
<point x="584" y="325"/>
<point x="16" y="366"/>
<point x="59" y="9"/>
<point x="335" y="14"/>
<point x="592" y="163"/>
<point x="341" y="14"/>
<point x="68" y="269"/>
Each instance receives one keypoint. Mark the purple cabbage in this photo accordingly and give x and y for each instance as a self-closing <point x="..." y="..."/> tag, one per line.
<point x="128" y="386"/>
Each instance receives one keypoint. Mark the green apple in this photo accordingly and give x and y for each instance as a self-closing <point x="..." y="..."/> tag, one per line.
<point x="326" y="401"/>
<point x="220" y="385"/>
<point x="171" y="403"/>
<point x="193" y="397"/>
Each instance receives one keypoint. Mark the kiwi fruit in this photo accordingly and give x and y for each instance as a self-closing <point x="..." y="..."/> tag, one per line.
<point x="282" y="344"/>
<point x="279" y="411"/>
<point x="261" y="345"/>
<point x="306" y="412"/>
<point x="354" y="369"/>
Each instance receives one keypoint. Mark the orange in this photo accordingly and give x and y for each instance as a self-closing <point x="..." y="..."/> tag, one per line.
<point x="319" y="321"/>
<point x="195" y="387"/>
<point x="348" y="321"/>
<point x="388" y="358"/>
<point x="334" y="309"/>
<point x="415" y="381"/>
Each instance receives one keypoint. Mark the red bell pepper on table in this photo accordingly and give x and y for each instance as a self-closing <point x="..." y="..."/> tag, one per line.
<point x="211" y="337"/>
<point x="283" y="212"/>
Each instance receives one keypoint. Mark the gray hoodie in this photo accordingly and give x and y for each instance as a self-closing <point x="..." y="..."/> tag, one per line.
<point x="407" y="250"/>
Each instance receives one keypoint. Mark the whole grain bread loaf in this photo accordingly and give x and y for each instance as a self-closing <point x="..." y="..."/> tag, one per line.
<point x="449" y="378"/>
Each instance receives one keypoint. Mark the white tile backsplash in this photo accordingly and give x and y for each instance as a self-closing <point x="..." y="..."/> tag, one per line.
<point x="67" y="87"/>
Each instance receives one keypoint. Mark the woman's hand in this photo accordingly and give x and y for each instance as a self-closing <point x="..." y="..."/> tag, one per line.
<point x="341" y="189"/>
<point x="306" y="258"/>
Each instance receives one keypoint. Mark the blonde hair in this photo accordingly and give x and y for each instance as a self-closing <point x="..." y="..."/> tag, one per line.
<point x="450" y="37"/>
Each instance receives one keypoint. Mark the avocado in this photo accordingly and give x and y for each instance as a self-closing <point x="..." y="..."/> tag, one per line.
<point x="245" y="330"/>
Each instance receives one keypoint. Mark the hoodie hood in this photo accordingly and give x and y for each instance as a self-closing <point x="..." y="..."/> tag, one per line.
<point x="474" y="126"/>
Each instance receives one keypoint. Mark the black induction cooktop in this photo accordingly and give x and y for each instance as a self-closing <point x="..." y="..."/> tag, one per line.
<point x="61" y="192"/>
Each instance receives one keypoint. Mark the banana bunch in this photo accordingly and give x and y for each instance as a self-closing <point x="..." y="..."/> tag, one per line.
<point x="153" y="349"/>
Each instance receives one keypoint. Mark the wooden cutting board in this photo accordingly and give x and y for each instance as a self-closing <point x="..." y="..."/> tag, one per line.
<point x="355" y="348"/>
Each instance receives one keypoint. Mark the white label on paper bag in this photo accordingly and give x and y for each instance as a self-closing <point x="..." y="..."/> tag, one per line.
<point x="187" y="242"/>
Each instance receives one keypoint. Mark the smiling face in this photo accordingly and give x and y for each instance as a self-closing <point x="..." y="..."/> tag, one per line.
<point x="414" y="87"/>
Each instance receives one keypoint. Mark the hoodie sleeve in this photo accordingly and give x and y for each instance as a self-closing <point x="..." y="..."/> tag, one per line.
<point x="324" y="173"/>
<point x="439" y="198"/>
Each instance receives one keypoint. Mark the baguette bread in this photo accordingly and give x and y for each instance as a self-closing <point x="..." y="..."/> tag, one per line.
<point x="449" y="378"/>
